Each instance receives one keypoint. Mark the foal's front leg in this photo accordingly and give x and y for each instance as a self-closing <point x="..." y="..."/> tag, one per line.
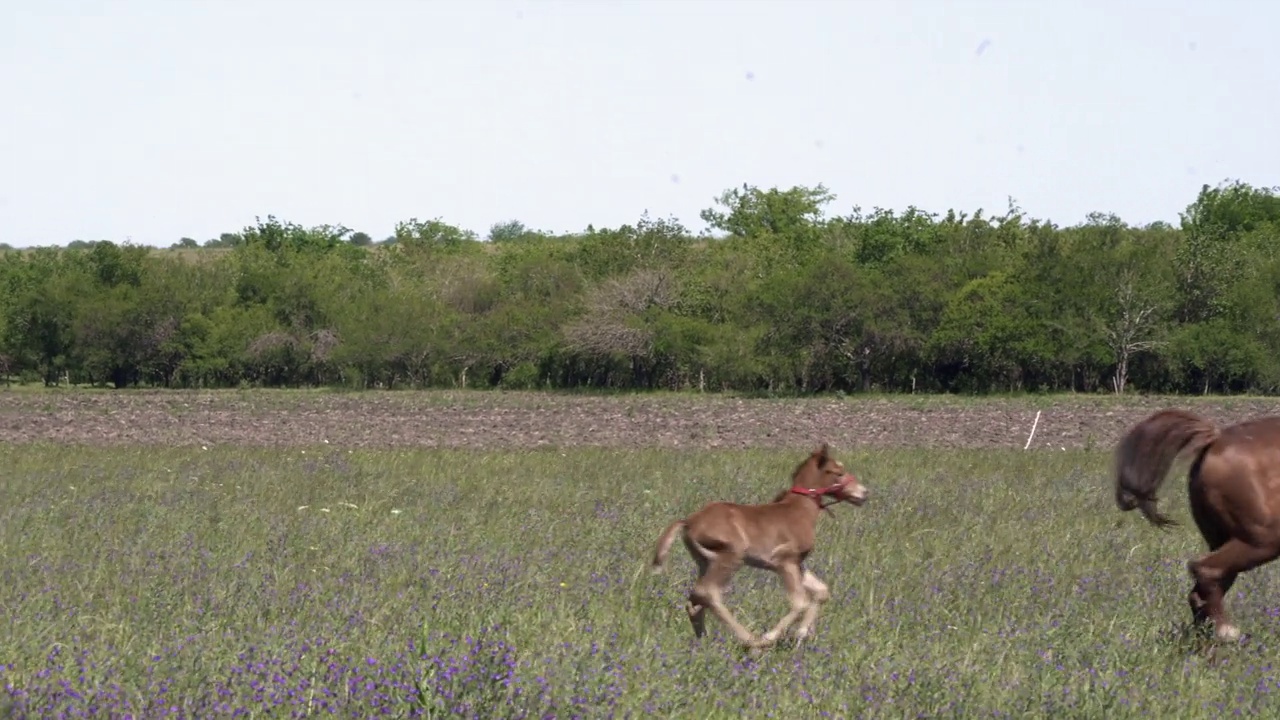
<point x="819" y="594"/>
<point x="793" y="581"/>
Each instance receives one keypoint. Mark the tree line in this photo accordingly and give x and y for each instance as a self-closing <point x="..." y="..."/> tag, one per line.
<point x="783" y="299"/>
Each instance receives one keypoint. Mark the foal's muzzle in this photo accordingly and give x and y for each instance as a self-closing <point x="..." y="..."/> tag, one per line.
<point x="854" y="491"/>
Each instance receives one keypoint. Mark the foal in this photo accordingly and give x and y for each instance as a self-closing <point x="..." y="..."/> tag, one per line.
<point x="776" y="536"/>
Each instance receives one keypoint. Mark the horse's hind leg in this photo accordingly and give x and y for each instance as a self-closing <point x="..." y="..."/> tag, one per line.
<point x="1215" y="573"/>
<point x="1215" y="535"/>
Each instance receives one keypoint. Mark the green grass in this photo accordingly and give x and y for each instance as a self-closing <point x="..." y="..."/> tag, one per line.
<point x="972" y="584"/>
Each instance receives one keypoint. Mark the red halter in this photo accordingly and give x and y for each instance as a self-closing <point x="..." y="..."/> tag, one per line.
<point x="818" y="493"/>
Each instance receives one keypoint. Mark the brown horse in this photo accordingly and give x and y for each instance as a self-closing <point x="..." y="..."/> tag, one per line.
<point x="722" y="537"/>
<point x="1234" y="488"/>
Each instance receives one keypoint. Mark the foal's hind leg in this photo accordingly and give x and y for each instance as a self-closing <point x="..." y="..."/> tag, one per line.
<point x="797" y="594"/>
<point x="697" y="612"/>
<point x="714" y="572"/>
<point x="1214" y="574"/>
<point x="709" y="593"/>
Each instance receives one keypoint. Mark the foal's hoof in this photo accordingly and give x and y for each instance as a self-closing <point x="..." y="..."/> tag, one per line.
<point x="1227" y="632"/>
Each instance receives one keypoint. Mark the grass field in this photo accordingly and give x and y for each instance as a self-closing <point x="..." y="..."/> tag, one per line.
<point x="503" y="583"/>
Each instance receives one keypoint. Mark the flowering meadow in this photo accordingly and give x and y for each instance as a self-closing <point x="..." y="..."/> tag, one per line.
<point x="234" y="582"/>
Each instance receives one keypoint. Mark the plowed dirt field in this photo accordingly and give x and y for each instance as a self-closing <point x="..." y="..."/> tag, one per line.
<point x="514" y="420"/>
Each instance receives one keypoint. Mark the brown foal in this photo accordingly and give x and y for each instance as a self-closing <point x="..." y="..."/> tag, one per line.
<point x="1234" y="489"/>
<point x="722" y="537"/>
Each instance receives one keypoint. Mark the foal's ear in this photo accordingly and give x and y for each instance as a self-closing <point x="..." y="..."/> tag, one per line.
<point x="823" y="453"/>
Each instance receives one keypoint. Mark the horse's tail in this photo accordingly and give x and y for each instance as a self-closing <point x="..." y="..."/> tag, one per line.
<point x="1148" y="450"/>
<point x="664" y="545"/>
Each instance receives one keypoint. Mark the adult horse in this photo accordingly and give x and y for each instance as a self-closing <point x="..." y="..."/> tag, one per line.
<point x="721" y="537"/>
<point x="1234" y="488"/>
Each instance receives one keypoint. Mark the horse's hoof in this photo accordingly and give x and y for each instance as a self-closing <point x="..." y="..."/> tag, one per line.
<point x="1227" y="632"/>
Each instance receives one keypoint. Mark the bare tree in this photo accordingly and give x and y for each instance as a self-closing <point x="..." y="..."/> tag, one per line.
<point x="1133" y="329"/>
<point x="609" y="325"/>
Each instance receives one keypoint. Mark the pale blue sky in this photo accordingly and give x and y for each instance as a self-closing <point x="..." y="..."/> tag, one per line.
<point x="156" y="119"/>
